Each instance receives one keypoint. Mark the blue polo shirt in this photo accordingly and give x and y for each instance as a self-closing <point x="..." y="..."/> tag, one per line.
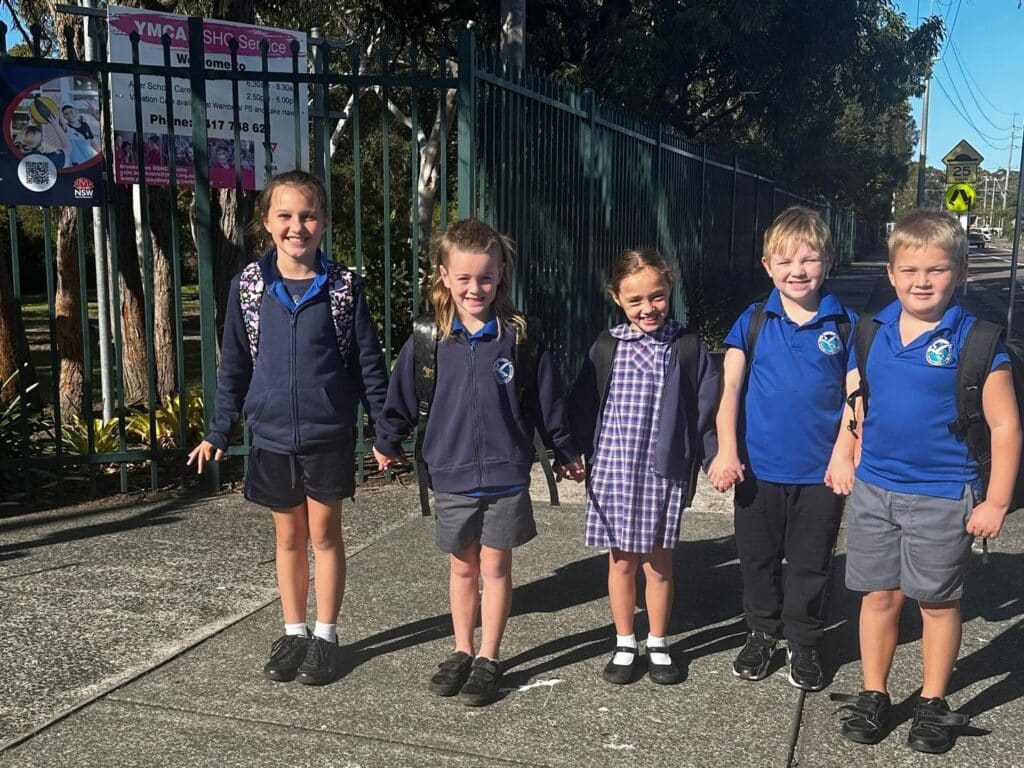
<point x="908" y="447"/>
<point x="279" y="290"/>
<point x="489" y="330"/>
<point x="795" y="393"/>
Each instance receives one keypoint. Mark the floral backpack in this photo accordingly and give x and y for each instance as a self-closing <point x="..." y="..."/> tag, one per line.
<point x="340" y="279"/>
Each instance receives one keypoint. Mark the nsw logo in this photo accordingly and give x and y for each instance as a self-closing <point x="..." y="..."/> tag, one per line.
<point x="829" y="343"/>
<point x="940" y="352"/>
<point x="504" y="371"/>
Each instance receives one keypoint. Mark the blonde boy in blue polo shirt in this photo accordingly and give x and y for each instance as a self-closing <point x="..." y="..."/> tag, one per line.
<point x="916" y="505"/>
<point x="777" y="423"/>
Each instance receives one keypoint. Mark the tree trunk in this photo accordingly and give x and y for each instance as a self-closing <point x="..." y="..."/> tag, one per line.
<point x="68" y="306"/>
<point x="226" y="262"/>
<point x="163" y="291"/>
<point x="133" y="319"/>
<point x="14" y="354"/>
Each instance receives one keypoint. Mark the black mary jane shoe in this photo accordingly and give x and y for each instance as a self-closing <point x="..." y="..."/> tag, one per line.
<point x="620" y="674"/>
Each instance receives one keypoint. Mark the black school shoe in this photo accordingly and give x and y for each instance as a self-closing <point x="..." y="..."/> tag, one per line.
<point x="322" y="663"/>
<point x="865" y="716"/>
<point x="753" y="661"/>
<point x="620" y="674"/>
<point x="286" y="654"/>
<point x="663" y="674"/>
<point x="451" y="675"/>
<point x="932" y="729"/>
<point x="482" y="686"/>
<point x="805" y="668"/>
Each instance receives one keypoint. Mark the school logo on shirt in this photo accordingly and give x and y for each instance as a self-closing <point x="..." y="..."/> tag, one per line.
<point x="939" y="353"/>
<point x="829" y="343"/>
<point x="504" y="371"/>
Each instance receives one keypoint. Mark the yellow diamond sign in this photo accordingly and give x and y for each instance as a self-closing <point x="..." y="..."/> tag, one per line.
<point x="959" y="198"/>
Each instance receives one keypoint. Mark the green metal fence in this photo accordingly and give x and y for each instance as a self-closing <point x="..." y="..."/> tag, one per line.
<point x="571" y="180"/>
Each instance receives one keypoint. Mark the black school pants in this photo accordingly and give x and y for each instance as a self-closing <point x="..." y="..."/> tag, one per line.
<point x="796" y="522"/>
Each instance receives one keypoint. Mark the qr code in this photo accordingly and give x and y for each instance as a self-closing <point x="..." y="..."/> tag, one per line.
<point x="37" y="173"/>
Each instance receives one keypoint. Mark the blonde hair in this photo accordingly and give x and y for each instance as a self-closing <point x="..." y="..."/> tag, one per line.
<point x="478" y="237"/>
<point x="634" y="260"/>
<point x="798" y="226"/>
<point x="921" y="228"/>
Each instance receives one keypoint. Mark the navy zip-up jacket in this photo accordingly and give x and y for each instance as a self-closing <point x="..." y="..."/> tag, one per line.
<point x="301" y="396"/>
<point x="477" y="435"/>
<point x="674" y="454"/>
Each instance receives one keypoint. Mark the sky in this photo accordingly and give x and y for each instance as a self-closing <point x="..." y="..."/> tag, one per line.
<point x="977" y="91"/>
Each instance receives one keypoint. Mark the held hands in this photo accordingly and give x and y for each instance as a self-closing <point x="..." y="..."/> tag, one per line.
<point x="839" y="475"/>
<point x="986" y="520"/>
<point x="573" y="470"/>
<point x="204" y="452"/>
<point x="725" y="471"/>
<point x="385" y="462"/>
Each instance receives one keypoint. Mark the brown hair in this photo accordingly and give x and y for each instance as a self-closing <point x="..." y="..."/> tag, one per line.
<point x="797" y="226"/>
<point x="921" y="228"/>
<point x="300" y="179"/>
<point x="473" y="235"/>
<point x="635" y="260"/>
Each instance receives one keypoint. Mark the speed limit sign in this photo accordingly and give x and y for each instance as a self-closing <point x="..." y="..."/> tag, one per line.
<point x="962" y="163"/>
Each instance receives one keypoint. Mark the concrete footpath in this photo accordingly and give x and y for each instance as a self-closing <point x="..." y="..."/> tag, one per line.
<point x="134" y="635"/>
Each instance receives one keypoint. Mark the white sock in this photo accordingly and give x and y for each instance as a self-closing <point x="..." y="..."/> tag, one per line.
<point x="328" y="632"/>
<point x="657" y="650"/>
<point x="301" y="630"/>
<point x="624" y="641"/>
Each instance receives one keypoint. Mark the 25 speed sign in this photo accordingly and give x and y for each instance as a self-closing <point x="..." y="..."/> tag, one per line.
<point x="962" y="173"/>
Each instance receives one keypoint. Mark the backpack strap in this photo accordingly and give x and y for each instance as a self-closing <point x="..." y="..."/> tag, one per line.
<point x="250" y="295"/>
<point x="687" y="346"/>
<point x="604" y="355"/>
<point x="976" y="357"/>
<point x="341" y="281"/>
<point x="864" y="333"/>
<point x="424" y="348"/>
<point x="525" y="355"/>
<point x="757" y="318"/>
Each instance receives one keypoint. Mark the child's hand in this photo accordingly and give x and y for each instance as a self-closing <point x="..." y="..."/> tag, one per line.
<point x="839" y="475"/>
<point x="725" y="471"/>
<point x="384" y="462"/>
<point x="204" y="452"/>
<point x="573" y="470"/>
<point x="986" y="520"/>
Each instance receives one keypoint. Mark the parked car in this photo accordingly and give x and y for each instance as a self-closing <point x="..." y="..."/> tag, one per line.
<point x="976" y="238"/>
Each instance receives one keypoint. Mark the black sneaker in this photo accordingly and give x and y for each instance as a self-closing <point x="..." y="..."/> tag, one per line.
<point x="620" y="674"/>
<point x="322" y="663"/>
<point x="753" y="661"/>
<point x="482" y="686"/>
<point x="932" y="729"/>
<point x="805" y="667"/>
<point x="286" y="654"/>
<point x="451" y="674"/>
<point x="865" y="716"/>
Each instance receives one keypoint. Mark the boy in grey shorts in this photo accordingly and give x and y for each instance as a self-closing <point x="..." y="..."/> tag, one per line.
<point x="917" y="502"/>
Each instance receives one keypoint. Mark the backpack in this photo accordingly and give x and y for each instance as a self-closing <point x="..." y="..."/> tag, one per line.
<point x="757" y="319"/>
<point x="970" y="426"/>
<point x="687" y="346"/>
<point x="425" y="337"/>
<point x="340" y="280"/>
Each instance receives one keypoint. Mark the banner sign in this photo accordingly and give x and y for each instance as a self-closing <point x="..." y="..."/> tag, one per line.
<point x="153" y="146"/>
<point x="50" y="148"/>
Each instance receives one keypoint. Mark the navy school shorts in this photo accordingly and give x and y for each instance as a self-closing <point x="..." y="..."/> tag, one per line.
<point x="282" y="481"/>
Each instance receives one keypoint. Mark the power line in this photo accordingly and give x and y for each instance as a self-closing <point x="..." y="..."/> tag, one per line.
<point x="970" y="90"/>
<point x="976" y="85"/>
<point x="985" y="137"/>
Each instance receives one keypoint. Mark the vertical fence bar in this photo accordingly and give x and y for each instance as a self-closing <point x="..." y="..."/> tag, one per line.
<point x="385" y="130"/>
<point x="442" y="177"/>
<point x="414" y="199"/>
<point x="357" y="164"/>
<point x="83" y="298"/>
<point x="55" y="362"/>
<point x="467" y="127"/>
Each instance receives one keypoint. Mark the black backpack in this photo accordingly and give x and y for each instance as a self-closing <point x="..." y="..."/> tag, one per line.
<point x="687" y="345"/>
<point x="975" y="363"/>
<point x="425" y="337"/>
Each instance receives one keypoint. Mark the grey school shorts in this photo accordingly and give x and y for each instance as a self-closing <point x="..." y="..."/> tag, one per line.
<point x="499" y="522"/>
<point x="916" y="543"/>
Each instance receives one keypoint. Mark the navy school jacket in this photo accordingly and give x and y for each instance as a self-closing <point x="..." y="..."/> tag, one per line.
<point x="674" y="453"/>
<point x="301" y="395"/>
<point x="478" y="434"/>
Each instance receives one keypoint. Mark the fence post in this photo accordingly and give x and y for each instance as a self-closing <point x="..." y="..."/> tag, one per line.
<point x="204" y="242"/>
<point x="589" y="152"/>
<point x="732" y="213"/>
<point x="467" y="124"/>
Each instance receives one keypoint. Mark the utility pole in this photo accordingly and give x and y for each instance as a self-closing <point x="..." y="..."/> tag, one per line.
<point x="923" y="143"/>
<point x="1015" y="257"/>
<point x="1009" y="160"/>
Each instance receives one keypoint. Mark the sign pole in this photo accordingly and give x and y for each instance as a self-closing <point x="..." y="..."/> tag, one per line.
<point x="1016" y="246"/>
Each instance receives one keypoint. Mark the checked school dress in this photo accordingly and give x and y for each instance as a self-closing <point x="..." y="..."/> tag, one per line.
<point x="629" y="506"/>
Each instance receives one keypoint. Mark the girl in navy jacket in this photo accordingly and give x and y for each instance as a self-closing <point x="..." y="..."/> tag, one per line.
<point x="478" y="446"/>
<point x="299" y="351"/>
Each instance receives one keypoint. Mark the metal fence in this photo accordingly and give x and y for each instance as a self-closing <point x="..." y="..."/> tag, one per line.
<point x="571" y="180"/>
